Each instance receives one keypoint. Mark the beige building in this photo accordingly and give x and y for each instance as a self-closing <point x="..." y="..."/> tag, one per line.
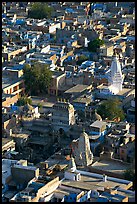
<point x="106" y="50"/>
<point x="63" y="115"/>
<point x="7" y="145"/>
<point x="14" y="87"/>
<point x="10" y="52"/>
<point x="127" y="149"/>
<point x="8" y="99"/>
<point x="36" y="190"/>
<point x="58" y="80"/>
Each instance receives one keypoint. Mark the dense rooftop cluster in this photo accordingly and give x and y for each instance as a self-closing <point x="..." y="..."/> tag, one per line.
<point x="68" y="102"/>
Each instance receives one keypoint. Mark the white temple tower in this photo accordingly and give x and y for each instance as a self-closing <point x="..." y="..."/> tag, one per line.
<point x="115" y="79"/>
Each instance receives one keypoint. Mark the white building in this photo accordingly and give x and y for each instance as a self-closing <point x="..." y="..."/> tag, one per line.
<point x="115" y="78"/>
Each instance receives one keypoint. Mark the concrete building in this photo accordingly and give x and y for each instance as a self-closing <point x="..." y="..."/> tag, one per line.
<point x="7" y="145"/>
<point x="106" y="50"/>
<point x="98" y="128"/>
<point x="82" y="102"/>
<point x="6" y="172"/>
<point x="57" y="82"/>
<point x="9" y="99"/>
<point x="36" y="190"/>
<point x="96" y="184"/>
<point x="12" y="179"/>
<point x="62" y="115"/>
<point x="127" y="150"/>
<point x="77" y="186"/>
<point x="15" y="87"/>
<point x="22" y="174"/>
<point x="77" y="91"/>
<point x="12" y="84"/>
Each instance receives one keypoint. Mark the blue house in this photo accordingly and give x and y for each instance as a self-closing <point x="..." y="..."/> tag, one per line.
<point x="81" y="197"/>
<point x="108" y="197"/>
<point x="98" y="6"/>
<point x="99" y="128"/>
<point x="20" y="22"/>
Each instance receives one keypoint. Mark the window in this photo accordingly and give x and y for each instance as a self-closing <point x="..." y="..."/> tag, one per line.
<point x="122" y="151"/>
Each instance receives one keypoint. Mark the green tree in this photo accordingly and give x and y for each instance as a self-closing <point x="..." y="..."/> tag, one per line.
<point x="108" y="21"/>
<point x="24" y="100"/>
<point x="129" y="174"/>
<point x="95" y="44"/>
<point x="81" y="59"/>
<point x="37" y="78"/>
<point x="39" y="106"/>
<point x="111" y="109"/>
<point x="40" y="10"/>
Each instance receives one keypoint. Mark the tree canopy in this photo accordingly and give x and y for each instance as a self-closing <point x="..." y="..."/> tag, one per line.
<point x="24" y="100"/>
<point x="81" y="59"/>
<point x="129" y="174"/>
<point x="37" y="78"/>
<point x="40" y="10"/>
<point x="95" y="44"/>
<point x="111" y="109"/>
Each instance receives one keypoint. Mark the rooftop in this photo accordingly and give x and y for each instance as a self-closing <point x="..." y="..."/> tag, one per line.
<point x="125" y="91"/>
<point x="115" y="196"/>
<point x="78" y="88"/>
<point x="6" y="140"/>
<point x="111" y="166"/>
<point x="82" y="99"/>
<point x="98" y="124"/>
<point x="7" y="81"/>
<point x="91" y="181"/>
<point x="36" y="185"/>
<point x="6" y="168"/>
<point x="63" y="105"/>
<point x="25" y="167"/>
<point x="57" y="74"/>
<point x="21" y="135"/>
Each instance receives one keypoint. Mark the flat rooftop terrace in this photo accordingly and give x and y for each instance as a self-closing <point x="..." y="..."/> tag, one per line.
<point x="77" y="89"/>
<point x="125" y="91"/>
<point x="21" y="135"/>
<point x="89" y="183"/>
<point x="111" y="166"/>
<point x="7" y="81"/>
<point x="92" y="181"/>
